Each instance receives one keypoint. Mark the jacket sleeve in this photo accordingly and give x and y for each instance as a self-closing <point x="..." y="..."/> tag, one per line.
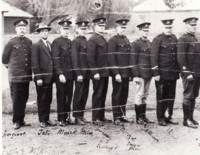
<point x="35" y="61"/>
<point x="91" y="55"/>
<point x="56" y="54"/>
<point x="75" y="58"/>
<point x="112" y="56"/>
<point x="181" y="56"/>
<point x="155" y="56"/>
<point x="134" y="59"/>
<point x="6" y="54"/>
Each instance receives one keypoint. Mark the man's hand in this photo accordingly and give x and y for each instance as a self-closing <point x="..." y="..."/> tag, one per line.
<point x="80" y="78"/>
<point x="62" y="78"/>
<point x="157" y="78"/>
<point x="97" y="76"/>
<point x="190" y="77"/>
<point x="39" y="82"/>
<point x="137" y="80"/>
<point x="118" y="78"/>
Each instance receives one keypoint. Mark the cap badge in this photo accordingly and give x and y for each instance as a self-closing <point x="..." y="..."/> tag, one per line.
<point x="168" y="22"/>
<point x="21" y="22"/>
<point x="83" y="24"/>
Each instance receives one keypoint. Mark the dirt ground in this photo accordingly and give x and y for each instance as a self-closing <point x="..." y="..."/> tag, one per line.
<point x="131" y="138"/>
<point x="91" y="140"/>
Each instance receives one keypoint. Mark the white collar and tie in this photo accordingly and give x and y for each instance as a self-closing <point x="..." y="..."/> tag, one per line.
<point x="47" y="43"/>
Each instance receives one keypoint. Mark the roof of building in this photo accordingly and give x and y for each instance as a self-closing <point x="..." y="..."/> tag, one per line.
<point x="151" y="5"/>
<point x="11" y="11"/>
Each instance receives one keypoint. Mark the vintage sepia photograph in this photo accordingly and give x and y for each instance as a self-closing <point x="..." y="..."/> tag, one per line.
<point x="100" y="77"/>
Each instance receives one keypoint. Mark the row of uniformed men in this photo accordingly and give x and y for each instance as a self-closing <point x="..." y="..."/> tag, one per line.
<point x="96" y="59"/>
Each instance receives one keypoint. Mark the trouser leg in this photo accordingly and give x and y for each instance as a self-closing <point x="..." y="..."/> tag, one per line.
<point x="44" y="99"/>
<point x="161" y="102"/>
<point x="99" y="97"/>
<point x="171" y="91"/>
<point x="80" y="97"/>
<point x="124" y="94"/>
<point x="19" y="95"/>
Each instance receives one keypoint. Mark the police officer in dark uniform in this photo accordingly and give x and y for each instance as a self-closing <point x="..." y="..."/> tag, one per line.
<point x="17" y="58"/>
<point x="80" y="67"/>
<point x="165" y="71"/>
<point x="97" y="52"/>
<point x="61" y="52"/>
<point x="189" y="62"/>
<point x="119" y="49"/>
<point x="142" y="72"/>
<point x="42" y="66"/>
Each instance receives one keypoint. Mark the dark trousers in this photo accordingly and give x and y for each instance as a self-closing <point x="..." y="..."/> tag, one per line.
<point x="19" y="94"/>
<point x="44" y="99"/>
<point x="190" y="93"/>
<point x="100" y="88"/>
<point x="191" y="90"/>
<point x="165" y="94"/>
<point x="119" y="97"/>
<point x="64" y="95"/>
<point x="80" y="97"/>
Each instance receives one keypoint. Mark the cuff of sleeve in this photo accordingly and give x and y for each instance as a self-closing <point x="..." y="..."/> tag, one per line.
<point x="155" y="73"/>
<point x="37" y="77"/>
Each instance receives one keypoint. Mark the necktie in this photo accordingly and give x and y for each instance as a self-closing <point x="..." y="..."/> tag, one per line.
<point x="48" y="45"/>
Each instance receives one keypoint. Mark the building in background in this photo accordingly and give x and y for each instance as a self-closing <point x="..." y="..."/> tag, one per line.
<point x="155" y="10"/>
<point x="11" y="15"/>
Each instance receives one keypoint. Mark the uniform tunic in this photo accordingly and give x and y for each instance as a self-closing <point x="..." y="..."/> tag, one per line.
<point x="119" y="49"/>
<point x="97" y="52"/>
<point x="62" y="58"/>
<point x="17" y="58"/>
<point x="80" y="66"/>
<point x="140" y="58"/>
<point x="189" y="62"/>
<point x="164" y="63"/>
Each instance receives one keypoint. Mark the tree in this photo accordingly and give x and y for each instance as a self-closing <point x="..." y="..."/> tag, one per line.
<point x="51" y="10"/>
<point x="174" y="3"/>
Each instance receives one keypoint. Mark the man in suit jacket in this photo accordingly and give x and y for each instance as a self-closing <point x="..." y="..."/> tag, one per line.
<point x="61" y="51"/>
<point x="16" y="57"/>
<point x="142" y="72"/>
<point x="119" y="50"/>
<point x="42" y="66"/>
<point x="80" y="66"/>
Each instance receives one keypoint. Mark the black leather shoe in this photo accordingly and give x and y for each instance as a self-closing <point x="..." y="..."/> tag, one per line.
<point x="171" y="121"/>
<point x="124" y="119"/>
<point x="118" y="122"/>
<point x="189" y="124"/>
<point x="62" y="123"/>
<point x="98" y="122"/>
<point x="141" y="121"/>
<point x="84" y="120"/>
<point x="79" y="121"/>
<point x="105" y="120"/>
<point x="195" y="122"/>
<point x="162" y="123"/>
<point x="50" y="123"/>
<point x="43" y="124"/>
<point x="25" y="124"/>
<point x="16" y="125"/>
<point x="69" y="122"/>
<point x="148" y="121"/>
